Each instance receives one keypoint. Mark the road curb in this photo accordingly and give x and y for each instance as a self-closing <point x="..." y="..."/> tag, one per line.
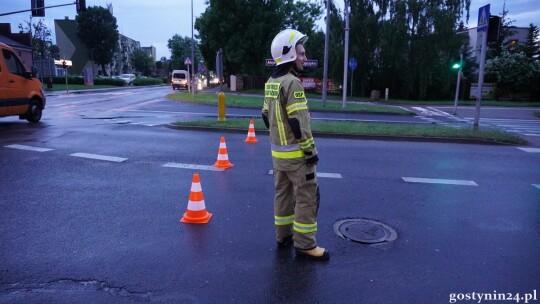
<point x="356" y="136"/>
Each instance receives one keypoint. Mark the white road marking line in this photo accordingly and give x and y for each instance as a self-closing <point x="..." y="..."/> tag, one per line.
<point x="536" y="185"/>
<point x="439" y="181"/>
<point x="100" y="157"/>
<point x="30" y="148"/>
<point x="319" y="174"/>
<point x="192" y="166"/>
<point x="442" y="113"/>
<point x="530" y="150"/>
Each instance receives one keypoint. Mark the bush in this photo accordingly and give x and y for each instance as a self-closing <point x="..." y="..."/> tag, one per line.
<point x="70" y="79"/>
<point x="147" y="81"/>
<point x="109" y="81"/>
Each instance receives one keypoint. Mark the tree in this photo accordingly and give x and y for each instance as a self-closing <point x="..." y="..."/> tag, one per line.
<point x="415" y="44"/>
<point x="244" y="30"/>
<point x="514" y="73"/>
<point x="532" y="44"/>
<point x="41" y="38"/>
<point x="142" y="62"/>
<point x="98" y="31"/>
<point x="496" y="48"/>
<point x="180" y="48"/>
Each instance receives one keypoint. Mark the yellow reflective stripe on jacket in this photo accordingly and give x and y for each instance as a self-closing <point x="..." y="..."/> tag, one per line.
<point x="283" y="220"/>
<point x="306" y="144"/>
<point x="280" y="125"/>
<point x="297" y="106"/>
<point x="304" y="228"/>
<point x="289" y="154"/>
<point x="271" y="90"/>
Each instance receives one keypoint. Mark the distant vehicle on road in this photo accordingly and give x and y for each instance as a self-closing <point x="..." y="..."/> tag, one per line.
<point x="180" y="79"/>
<point x="21" y="93"/>
<point x="128" y="78"/>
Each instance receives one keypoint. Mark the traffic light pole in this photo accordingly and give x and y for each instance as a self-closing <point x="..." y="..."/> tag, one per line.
<point x="29" y="10"/>
<point x="458" y="83"/>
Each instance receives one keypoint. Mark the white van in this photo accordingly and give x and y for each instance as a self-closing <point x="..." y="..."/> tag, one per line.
<point x="180" y="79"/>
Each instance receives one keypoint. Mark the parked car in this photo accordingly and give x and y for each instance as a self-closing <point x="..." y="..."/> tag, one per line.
<point x="128" y="78"/>
<point x="21" y="93"/>
<point x="180" y="79"/>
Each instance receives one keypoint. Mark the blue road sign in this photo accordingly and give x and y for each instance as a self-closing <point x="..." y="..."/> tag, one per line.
<point x="353" y="63"/>
<point x="483" y="18"/>
<point x="187" y="61"/>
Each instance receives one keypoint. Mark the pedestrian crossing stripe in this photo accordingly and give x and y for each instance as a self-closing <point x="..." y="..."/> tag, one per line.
<point x="192" y="166"/>
<point x="29" y="148"/>
<point x="530" y="150"/>
<point x="100" y="157"/>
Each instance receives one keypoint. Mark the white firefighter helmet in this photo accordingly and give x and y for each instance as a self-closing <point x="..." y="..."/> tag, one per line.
<point x="283" y="46"/>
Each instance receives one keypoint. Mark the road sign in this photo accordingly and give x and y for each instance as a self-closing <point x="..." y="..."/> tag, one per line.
<point x="187" y="61"/>
<point x="353" y="63"/>
<point x="483" y="18"/>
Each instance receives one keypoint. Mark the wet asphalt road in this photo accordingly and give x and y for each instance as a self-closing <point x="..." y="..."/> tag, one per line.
<point x="77" y="230"/>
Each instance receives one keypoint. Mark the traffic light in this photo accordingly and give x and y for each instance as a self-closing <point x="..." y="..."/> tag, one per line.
<point x="38" y="8"/>
<point x="81" y="5"/>
<point x="494" y="28"/>
<point x="456" y="65"/>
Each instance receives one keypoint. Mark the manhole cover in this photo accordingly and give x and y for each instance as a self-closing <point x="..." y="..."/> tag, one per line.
<point x="364" y="231"/>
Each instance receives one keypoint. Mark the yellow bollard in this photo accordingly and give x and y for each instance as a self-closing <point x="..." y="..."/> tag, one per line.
<point x="221" y="107"/>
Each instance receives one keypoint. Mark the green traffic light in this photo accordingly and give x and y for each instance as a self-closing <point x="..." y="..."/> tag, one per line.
<point x="456" y="66"/>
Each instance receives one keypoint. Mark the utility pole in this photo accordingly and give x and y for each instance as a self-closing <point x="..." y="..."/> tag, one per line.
<point x="346" y="57"/>
<point x="192" y="53"/>
<point x="326" y="42"/>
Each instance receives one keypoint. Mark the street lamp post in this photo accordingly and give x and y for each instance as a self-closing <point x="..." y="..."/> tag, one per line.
<point x="326" y="42"/>
<point x="346" y="57"/>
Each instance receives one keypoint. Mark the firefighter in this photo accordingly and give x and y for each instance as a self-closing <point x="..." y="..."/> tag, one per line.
<point x="294" y="155"/>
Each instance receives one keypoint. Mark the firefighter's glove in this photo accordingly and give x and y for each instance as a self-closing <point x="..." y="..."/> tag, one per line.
<point x="312" y="160"/>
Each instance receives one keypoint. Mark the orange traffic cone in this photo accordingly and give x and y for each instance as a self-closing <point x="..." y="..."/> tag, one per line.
<point x="223" y="157"/>
<point x="251" y="133"/>
<point x="196" y="210"/>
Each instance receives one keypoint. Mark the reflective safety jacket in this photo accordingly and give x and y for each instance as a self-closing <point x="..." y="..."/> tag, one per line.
<point x="285" y="108"/>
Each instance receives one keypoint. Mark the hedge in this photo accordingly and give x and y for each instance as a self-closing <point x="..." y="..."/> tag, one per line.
<point x="147" y="81"/>
<point x="80" y="80"/>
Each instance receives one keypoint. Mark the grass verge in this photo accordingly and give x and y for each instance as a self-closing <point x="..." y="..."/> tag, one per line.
<point x="375" y="129"/>
<point x="62" y="87"/>
<point x="256" y="102"/>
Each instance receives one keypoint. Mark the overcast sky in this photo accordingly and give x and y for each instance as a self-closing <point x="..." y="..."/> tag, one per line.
<point x="154" y="22"/>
